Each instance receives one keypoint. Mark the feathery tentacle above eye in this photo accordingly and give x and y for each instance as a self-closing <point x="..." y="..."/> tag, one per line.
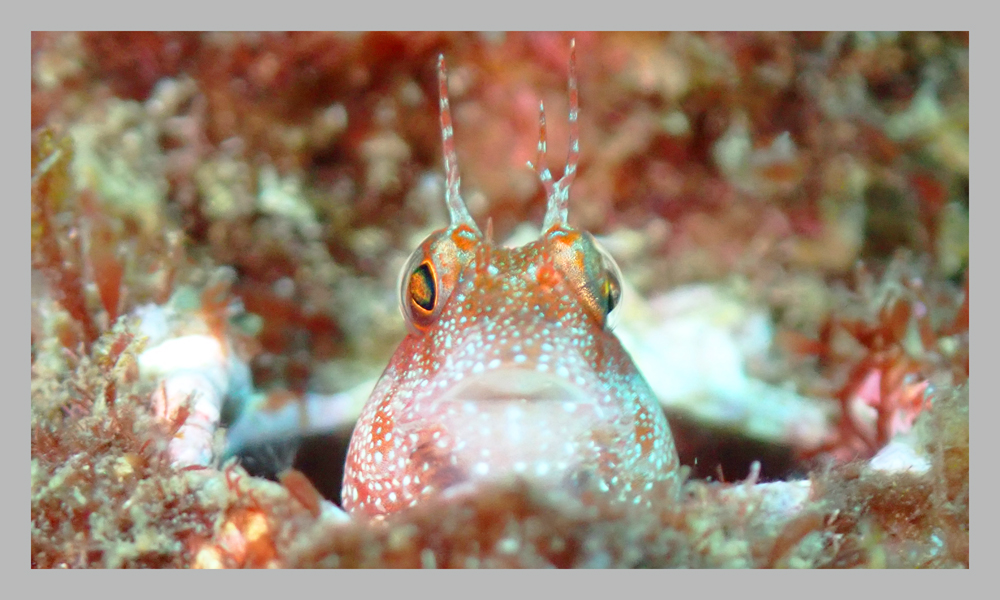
<point x="558" y="192"/>
<point x="457" y="210"/>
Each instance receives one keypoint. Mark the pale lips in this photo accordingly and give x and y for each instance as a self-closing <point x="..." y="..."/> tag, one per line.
<point x="512" y="384"/>
<point x="519" y="422"/>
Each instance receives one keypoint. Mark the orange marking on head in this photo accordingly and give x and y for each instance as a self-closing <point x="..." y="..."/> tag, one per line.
<point x="548" y="276"/>
<point x="568" y="237"/>
<point x="464" y="238"/>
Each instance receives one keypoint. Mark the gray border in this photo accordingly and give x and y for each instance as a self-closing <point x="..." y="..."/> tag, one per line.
<point x="508" y="15"/>
<point x="519" y="15"/>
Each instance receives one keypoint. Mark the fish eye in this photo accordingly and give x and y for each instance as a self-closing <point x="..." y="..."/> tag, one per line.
<point x="592" y="271"/>
<point x="423" y="288"/>
<point x="430" y="274"/>
<point x="419" y="291"/>
<point x="610" y="286"/>
<point x="612" y="292"/>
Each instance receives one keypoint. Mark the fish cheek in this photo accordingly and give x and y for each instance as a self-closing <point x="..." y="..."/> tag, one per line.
<point x="433" y="465"/>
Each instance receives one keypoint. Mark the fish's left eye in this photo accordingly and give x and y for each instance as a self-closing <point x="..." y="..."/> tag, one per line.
<point x="610" y="290"/>
<point x="591" y="272"/>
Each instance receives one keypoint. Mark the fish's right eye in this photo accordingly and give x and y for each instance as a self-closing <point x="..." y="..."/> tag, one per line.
<point x="419" y="290"/>
<point x="431" y="274"/>
<point x="423" y="288"/>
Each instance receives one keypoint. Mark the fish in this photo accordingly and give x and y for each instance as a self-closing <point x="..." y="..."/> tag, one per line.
<point x="510" y="368"/>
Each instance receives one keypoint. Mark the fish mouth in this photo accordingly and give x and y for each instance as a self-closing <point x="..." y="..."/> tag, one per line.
<point x="516" y="422"/>
<point x="505" y="385"/>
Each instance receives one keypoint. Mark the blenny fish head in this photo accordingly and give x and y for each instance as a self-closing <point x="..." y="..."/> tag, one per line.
<point x="510" y="368"/>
